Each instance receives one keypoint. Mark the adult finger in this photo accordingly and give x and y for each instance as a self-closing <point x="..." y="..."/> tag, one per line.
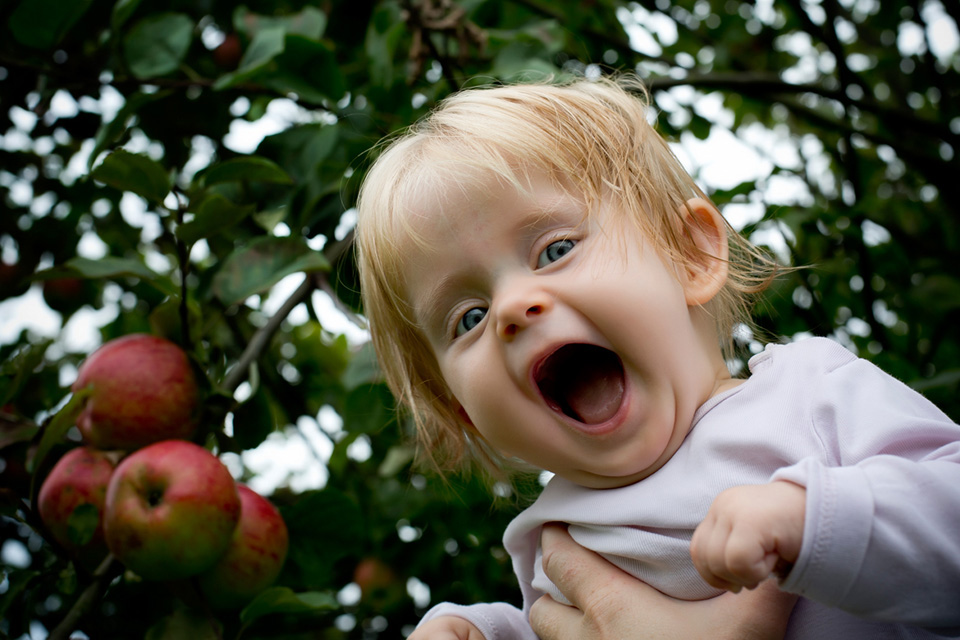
<point x="554" y="621"/>
<point x="580" y="574"/>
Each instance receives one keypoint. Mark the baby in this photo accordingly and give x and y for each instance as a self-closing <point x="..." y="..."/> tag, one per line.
<point x="548" y="288"/>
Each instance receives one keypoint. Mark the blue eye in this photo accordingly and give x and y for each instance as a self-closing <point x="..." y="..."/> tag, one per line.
<point x="470" y="319"/>
<point x="555" y="251"/>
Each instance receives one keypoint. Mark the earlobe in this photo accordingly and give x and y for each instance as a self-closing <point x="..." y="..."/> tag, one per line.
<point x="707" y="263"/>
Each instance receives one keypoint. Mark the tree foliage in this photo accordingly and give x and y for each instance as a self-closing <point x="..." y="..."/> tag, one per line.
<point x="140" y="196"/>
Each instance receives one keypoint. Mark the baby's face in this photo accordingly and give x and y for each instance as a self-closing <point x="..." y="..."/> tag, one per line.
<point x="566" y="342"/>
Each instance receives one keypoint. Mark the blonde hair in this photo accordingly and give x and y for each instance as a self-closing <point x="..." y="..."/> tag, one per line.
<point x="593" y="137"/>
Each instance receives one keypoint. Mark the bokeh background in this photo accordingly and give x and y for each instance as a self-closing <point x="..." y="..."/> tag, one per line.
<point x="189" y="168"/>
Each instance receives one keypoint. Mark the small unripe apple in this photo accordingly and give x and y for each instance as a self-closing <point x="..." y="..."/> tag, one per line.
<point x="254" y="559"/>
<point x="143" y="391"/>
<point x="171" y="510"/>
<point x="71" y="503"/>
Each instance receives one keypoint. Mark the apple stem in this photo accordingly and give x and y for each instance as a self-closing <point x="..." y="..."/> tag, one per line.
<point x="90" y="596"/>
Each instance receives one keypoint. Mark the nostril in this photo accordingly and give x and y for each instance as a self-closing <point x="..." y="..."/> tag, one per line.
<point x="534" y="310"/>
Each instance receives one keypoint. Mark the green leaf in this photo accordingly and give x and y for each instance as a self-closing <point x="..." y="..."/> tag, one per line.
<point x="261" y="264"/>
<point x="56" y="429"/>
<point x="15" y="371"/>
<point x="948" y="378"/>
<point x="265" y="46"/>
<point x="82" y="524"/>
<point x="310" y="22"/>
<point x="135" y="173"/>
<point x="245" y="169"/>
<point x="368" y="408"/>
<point x="214" y="214"/>
<point x="253" y="420"/>
<point x="110" y="132"/>
<point x="108" y="267"/>
<point x="184" y="622"/>
<point x="362" y="368"/>
<point x="157" y="45"/>
<point x="17" y="582"/>
<point x="165" y="319"/>
<point x="324" y="526"/>
<point x="309" y="69"/>
<point x="384" y="33"/>
<point x="122" y="12"/>
<point x="397" y="459"/>
<point x="41" y="24"/>
<point x="284" y="600"/>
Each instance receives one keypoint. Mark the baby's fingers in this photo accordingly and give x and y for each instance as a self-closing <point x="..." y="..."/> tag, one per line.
<point x="730" y="558"/>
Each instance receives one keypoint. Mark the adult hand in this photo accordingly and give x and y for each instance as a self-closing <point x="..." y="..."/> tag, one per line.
<point x="609" y="604"/>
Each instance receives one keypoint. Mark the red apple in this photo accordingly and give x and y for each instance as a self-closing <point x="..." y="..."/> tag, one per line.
<point x="254" y="558"/>
<point x="379" y="584"/>
<point x="171" y="510"/>
<point x="67" y="295"/>
<point x="228" y="53"/>
<point x="78" y="479"/>
<point x="144" y="391"/>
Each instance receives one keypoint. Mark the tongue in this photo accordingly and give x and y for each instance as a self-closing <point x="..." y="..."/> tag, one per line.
<point x="584" y="382"/>
<point x="594" y="397"/>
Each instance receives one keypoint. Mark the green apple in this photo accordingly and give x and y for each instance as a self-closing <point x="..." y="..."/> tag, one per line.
<point x="254" y="559"/>
<point x="143" y="390"/>
<point x="171" y="510"/>
<point x="71" y="503"/>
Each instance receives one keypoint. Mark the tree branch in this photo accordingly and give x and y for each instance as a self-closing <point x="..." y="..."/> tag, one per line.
<point x="260" y="339"/>
<point x="107" y="570"/>
<point x="764" y="83"/>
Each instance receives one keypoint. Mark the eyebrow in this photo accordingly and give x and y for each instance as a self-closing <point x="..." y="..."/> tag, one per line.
<point x="429" y="308"/>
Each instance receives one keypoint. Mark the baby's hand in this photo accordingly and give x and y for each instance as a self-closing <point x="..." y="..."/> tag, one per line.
<point x="446" y="628"/>
<point x="747" y="532"/>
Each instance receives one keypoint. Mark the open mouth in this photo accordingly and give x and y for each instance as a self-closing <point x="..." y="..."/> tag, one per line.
<point x="582" y="381"/>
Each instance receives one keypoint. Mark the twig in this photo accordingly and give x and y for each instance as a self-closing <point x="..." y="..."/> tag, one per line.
<point x="263" y="335"/>
<point x="260" y="339"/>
<point x="90" y="596"/>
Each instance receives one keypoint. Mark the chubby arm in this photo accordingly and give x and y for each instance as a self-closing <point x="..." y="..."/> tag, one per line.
<point x="610" y="604"/>
<point x="750" y="533"/>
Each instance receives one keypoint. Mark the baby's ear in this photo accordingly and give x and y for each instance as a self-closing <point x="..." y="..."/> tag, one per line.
<point x="706" y="268"/>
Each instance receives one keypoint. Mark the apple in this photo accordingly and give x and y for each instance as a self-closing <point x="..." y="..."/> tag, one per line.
<point x="13" y="280"/>
<point x="71" y="503"/>
<point x="67" y="295"/>
<point x="144" y="390"/>
<point x="254" y="559"/>
<point x="379" y="584"/>
<point x="228" y="53"/>
<point x="171" y="510"/>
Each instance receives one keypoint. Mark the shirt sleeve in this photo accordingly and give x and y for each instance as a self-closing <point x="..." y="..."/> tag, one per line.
<point x="882" y="526"/>
<point x="495" y="620"/>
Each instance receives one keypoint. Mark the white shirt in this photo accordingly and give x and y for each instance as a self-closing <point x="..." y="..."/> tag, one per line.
<point x="881" y="466"/>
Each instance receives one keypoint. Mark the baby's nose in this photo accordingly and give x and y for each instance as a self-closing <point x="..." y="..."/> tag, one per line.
<point x="519" y="312"/>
